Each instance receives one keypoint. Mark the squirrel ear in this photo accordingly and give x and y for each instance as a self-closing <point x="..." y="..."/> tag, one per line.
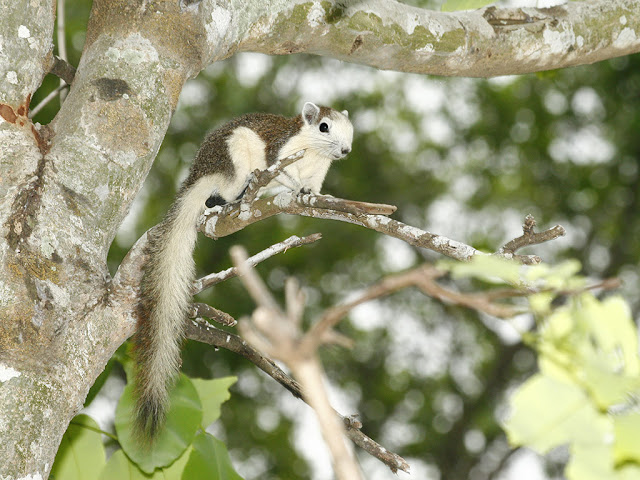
<point x="345" y="113"/>
<point x="310" y="113"/>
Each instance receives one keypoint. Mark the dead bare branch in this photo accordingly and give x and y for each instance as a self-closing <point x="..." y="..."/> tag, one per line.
<point x="278" y="334"/>
<point x="217" y="224"/>
<point x="530" y="237"/>
<point x="202" y="331"/>
<point x="199" y="310"/>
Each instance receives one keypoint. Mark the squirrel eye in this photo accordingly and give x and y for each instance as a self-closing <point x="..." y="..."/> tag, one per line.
<point x="324" y="127"/>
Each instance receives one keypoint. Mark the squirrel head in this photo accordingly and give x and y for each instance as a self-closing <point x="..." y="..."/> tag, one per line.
<point x="329" y="131"/>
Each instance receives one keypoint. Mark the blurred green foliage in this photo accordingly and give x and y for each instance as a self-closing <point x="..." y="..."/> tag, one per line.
<point x="465" y="158"/>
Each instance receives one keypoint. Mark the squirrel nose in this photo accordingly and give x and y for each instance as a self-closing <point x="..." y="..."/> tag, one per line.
<point x="346" y="150"/>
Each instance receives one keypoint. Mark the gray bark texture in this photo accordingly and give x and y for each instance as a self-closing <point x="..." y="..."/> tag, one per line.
<point x="66" y="187"/>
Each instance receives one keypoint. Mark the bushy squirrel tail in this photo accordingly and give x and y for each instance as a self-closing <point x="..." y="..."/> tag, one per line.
<point x="165" y="297"/>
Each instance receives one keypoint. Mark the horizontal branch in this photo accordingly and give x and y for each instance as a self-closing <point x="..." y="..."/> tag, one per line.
<point x="217" y="224"/>
<point x="237" y="216"/>
<point x="493" y="41"/>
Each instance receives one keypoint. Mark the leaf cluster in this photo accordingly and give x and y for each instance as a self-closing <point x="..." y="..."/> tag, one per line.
<point x="184" y="449"/>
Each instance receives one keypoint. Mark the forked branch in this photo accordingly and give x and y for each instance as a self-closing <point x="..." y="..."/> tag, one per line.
<point x="278" y="333"/>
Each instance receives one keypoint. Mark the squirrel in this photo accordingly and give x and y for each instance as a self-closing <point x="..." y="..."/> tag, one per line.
<point x="219" y="175"/>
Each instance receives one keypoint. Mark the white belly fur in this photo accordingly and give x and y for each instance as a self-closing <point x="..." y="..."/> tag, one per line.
<point x="310" y="170"/>
<point x="247" y="152"/>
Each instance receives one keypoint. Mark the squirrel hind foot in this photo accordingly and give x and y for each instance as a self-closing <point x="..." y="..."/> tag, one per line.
<point x="215" y="200"/>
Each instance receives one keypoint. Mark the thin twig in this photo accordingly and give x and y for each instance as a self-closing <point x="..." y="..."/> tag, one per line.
<point x="291" y="242"/>
<point x="423" y="277"/>
<point x="202" y="331"/>
<point x="354" y="207"/>
<point x="252" y="281"/>
<point x="333" y="315"/>
<point x="503" y="463"/>
<point x="62" y="69"/>
<point x="62" y="43"/>
<point x="46" y="100"/>
<point x="500" y="293"/>
<point x="480" y="302"/>
<point x="199" y="310"/>
<point x="262" y="178"/>
<point x="530" y="237"/>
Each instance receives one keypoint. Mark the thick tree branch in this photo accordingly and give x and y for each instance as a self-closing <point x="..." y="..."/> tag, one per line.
<point x="217" y="224"/>
<point x="493" y="41"/>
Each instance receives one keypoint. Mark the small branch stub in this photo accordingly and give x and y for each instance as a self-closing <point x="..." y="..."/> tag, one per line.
<point x="530" y="237"/>
<point x="199" y="310"/>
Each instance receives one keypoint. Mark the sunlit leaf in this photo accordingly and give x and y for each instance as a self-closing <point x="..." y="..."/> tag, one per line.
<point x="627" y="446"/>
<point x="558" y="327"/>
<point x="541" y="302"/>
<point x="591" y="462"/>
<point x="596" y="462"/>
<point x="183" y="420"/>
<point x="81" y="454"/>
<point x="613" y="331"/>
<point x="547" y="413"/>
<point x="213" y="393"/>
<point x="608" y="388"/>
<point x="628" y="472"/>
<point x="120" y="467"/>
<point x="487" y="268"/>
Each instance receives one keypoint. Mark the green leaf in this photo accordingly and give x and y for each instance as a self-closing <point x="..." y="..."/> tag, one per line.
<point x="592" y="344"/>
<point x="213" y="393"/>
<point x="558" y="327"/>
<point x="591" y="462"/>
<point x="596" y="463"/>
<point x="209" y="459"/>
<point x="452" y="5"/>
<point x="81" y="454"/>
<point x="547" y="413"/>
<point x="183" y="420"/>
<point x="557" y="277"/>
<point x="121" y="468"/>
<point x="613" y="330"/>
<point x="607" y="388"/>
<point x="628" y="472"/>
<point x="541" y="302"/>
<point x="486" y="267"/>
<point x="627" y="446"/>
